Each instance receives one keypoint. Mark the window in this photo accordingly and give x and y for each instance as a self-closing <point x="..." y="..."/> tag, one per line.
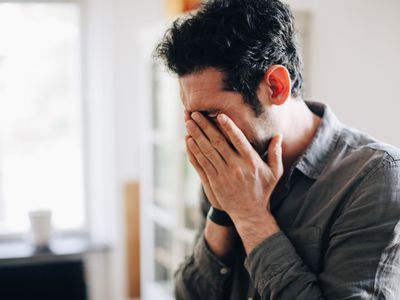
<point x="41" y="155"/>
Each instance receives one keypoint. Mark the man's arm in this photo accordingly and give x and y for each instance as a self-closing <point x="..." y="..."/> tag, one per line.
<point x="363" y="256"/>
<point x="207" y="271"/>
<point x="362" y="261"/>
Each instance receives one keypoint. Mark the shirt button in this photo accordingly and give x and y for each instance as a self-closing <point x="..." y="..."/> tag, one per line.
<point x="224" y="271"/>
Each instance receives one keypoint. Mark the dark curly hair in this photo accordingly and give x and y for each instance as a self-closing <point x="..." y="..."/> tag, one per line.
<point x="240" y="38"/>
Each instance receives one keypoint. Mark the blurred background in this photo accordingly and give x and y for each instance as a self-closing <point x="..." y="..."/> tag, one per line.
<point x="91" y="135"/>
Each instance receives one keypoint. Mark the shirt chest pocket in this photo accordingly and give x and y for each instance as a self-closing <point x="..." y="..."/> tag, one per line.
<point x="307" y="241"/>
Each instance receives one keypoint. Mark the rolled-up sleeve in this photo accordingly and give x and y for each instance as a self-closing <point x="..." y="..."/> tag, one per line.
<point x="202" y="275"/>
<point x="362" y="256"/>
<point x="279" y="273"/>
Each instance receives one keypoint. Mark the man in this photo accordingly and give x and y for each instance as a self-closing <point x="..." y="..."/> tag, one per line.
<point x="301" y="206"/>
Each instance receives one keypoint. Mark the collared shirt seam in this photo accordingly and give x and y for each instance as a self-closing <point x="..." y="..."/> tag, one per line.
<point x="388" y="154"/>
<point x="387" y="157"/>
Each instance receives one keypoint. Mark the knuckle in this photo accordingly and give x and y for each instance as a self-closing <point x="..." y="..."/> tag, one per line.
<point x="195" y="134"/>
<point x="217" y="143"/>
<point x="253" y="166"/>
<point x="195" y="150"/>
<point x="203" y="161"/>
<point x="205" y="164"/>
<point x="236" y="140"/>
<point x="229" y="128"/>
<point x="208" y="152"/>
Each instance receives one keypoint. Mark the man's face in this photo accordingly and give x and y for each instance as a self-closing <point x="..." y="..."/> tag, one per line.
<point x="203" y="92"/>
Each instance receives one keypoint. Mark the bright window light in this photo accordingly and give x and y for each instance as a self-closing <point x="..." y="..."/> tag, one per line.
<point x="41" y="165"/>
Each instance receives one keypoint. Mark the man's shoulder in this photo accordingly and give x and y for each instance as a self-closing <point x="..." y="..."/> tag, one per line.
<point x="364" y="168"/>
<point x="360" y="146"/>
<point x="359" y="158"/>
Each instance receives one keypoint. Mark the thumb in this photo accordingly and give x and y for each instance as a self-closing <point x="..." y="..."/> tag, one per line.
<point x="275" y="155"/>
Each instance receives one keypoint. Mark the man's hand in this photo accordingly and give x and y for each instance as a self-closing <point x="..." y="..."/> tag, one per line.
<point x="203" y="177"/>
<point x="240" y="180"/>
<point x="220" y="239"/>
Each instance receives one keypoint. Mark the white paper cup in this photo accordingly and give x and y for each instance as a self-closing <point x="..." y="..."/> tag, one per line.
<point x="41" y="228"/>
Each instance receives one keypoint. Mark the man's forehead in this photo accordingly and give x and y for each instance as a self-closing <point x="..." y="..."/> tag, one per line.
<point x="199" y="91"/>
<point x="202" y="103"/>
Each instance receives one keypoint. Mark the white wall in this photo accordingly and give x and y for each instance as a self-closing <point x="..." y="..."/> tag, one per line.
<point x="131" y="17"/>
<point x="355" y="62"/>
<point x="111" y="101"/>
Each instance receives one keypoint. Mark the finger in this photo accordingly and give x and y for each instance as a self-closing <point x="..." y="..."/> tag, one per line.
<point x="203" y="161"/>
<point x="187" y="116"/>
<point x="203" y="177"/>
<point x="195" y="163"/>
<point x="236" y="136"/>
<point x="204" y="145"/>
<point x="215" y="137"/>
<point x="275" y="155"/>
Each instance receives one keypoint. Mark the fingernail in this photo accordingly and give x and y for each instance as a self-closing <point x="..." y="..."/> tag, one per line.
<point x="191" y="143"/>
<point x="195" y="116"/>
<point x="221" y="118"/>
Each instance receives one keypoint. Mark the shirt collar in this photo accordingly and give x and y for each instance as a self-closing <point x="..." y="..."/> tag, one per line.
<point x="312" y="162"/>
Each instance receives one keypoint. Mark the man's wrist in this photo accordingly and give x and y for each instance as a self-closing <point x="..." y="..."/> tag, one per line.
<point x="253" y="230"/>
<point x="220" y="239"/>
<point x="219" y="217"/>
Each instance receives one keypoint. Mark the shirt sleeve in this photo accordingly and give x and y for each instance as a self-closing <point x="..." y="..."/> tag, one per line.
<point x="202" y="273"/>
<point x="362" y="259"/>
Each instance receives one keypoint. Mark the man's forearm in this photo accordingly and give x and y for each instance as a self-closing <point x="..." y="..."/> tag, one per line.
<point x="255" y="230"/>
<point x="220" y="239"/>
<point x="205" y="271"/>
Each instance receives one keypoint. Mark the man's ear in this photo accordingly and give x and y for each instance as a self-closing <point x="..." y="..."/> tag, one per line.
<point x="277" y="78"/>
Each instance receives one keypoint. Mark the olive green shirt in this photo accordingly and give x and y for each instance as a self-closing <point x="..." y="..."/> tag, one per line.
<point x="340" y="229"/>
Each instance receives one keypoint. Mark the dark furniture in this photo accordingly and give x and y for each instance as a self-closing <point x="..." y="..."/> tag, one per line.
<point x="57" y="273"/>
